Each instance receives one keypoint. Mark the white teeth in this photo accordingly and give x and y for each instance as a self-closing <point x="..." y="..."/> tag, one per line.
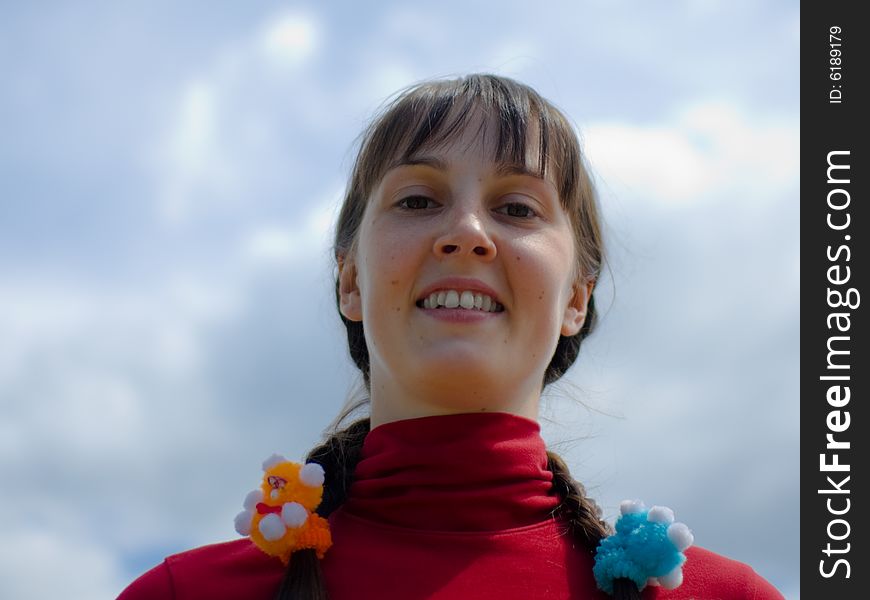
<point x="452" y="299"/>
<point x="466" y="299"/>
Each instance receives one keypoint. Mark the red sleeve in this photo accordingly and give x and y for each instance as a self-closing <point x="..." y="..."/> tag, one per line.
<point x="710" y="575"/>
<point x="229" y="570"/>
<point x="156" y="584"/>
<point x="763" y="589"/>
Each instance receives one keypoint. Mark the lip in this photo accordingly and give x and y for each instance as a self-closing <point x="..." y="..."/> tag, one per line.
<point x="461" y="284"/>
<point x="460" y="315"/>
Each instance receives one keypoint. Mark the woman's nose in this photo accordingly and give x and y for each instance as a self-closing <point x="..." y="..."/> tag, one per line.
<point x="465" y="234"/>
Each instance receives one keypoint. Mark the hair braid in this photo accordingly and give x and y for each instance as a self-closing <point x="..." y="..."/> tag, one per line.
<point x="583" y="517"/>
<point x="338" y="455"/>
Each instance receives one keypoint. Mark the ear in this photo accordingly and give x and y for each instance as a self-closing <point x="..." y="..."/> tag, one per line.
<point x="350" y="302"/>
<point x="575" y="312"/>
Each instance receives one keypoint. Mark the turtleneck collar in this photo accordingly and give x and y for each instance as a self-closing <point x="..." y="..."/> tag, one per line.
<point x="462" y="472"/>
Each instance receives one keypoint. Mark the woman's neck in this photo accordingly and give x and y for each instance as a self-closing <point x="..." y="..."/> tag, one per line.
<point x="392" y="400"/>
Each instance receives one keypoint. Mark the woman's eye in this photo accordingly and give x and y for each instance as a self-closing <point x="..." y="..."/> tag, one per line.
<point x="517" y="209"/>
<point x="415" y="202"/>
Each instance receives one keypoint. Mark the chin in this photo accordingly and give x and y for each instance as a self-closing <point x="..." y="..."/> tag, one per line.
<point x="462" y="371"/>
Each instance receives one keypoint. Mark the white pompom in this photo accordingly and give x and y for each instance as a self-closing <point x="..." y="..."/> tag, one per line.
<point x="660" y="514"/>
<point x="243" y="522"/>
<point x="630" y="507"/>
<point x="252" y="499"/>
<point x="272" y="527"/>
<point x="294" y="514"/>
<point x="681" y="536"/>
<point x="311" y="475"/>
<point x="673" y="579"/>
<point x="273" y="460"/>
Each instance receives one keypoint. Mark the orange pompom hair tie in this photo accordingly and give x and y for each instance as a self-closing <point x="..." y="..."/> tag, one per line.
<point x="279" y="517"/>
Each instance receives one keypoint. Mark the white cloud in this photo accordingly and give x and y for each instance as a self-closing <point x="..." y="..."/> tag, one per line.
<point x="272" y="244"/>
<point x="195" y="130"/>
<point x="36" y="564"/>
<point x="703" y="8"/>
<point x="761" y="147"/>
<point x="705" y="150"/>
<point x="655" y="161"/>
<point x="81" y="367"/>
<point x="30" y="321"/>
<point x="515" y="58"/>
<point x="386" y="77"/>
<point x="290" y="39"/>
<point x="91" y="410"/>
<point x="105" y="399"/>
<point x="192" y="160"/>
<point x="216" y="139"/>
<point x="793" y="27"/>
<point x="76" y="323"/>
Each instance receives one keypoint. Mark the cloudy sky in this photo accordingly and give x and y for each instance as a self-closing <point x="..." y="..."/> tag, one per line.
<point x="169" y="175"/>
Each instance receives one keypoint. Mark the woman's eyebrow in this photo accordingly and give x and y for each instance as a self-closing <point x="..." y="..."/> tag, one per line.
<point x="502" y="170"/>
<point x="505" y="169"/>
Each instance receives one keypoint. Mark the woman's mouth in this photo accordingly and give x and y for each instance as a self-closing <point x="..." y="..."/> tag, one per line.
<point x="456" y="300"/>
<point x="460" y="307"/>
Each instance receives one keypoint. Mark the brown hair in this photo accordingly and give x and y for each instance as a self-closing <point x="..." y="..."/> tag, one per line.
<point x="432" y="113"/>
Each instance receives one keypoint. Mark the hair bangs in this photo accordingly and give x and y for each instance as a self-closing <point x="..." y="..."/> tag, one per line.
<point x="437" y="114"/>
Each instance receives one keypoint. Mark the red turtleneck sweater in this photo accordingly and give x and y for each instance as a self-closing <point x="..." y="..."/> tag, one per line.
<point x="444" y="507"/>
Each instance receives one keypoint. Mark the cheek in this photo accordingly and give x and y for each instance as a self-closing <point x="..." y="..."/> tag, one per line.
<point x="388" y="267"/>
<point x="543" y="270"/>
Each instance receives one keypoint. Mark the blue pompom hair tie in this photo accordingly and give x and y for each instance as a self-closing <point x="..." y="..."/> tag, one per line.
<point x="646" y="548"/>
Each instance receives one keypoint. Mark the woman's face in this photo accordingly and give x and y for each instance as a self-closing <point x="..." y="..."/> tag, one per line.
<point x="504" y="238"/>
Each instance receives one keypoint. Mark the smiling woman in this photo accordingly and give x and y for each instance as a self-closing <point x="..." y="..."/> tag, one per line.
<point x="468" y="248"/>
<point x="454" y="223"/>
